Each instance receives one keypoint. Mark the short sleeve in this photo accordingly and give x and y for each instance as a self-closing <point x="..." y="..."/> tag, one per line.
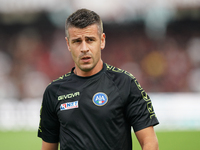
<point x="49" y="123"/>
<point x="139" y="109"/>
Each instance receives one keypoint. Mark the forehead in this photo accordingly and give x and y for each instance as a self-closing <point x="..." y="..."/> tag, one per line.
<point x="89" y="31"/>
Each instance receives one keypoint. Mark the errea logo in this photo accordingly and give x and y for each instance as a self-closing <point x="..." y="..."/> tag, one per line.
<point x="71" y="95"/>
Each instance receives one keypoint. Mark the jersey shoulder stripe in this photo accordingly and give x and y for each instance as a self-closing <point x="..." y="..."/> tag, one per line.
<point x="55" y="84"/>
<point x="61" y="78"/>
<point x="118" y="70"/>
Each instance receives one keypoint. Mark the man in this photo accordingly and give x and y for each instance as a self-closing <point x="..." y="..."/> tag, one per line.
<point x="94" y="106"/>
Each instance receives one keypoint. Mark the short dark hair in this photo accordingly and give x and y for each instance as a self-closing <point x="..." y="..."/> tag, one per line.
<point x="83" y="18"/>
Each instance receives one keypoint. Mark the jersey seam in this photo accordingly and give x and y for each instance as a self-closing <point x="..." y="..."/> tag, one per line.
<point x="110" y="78"/>
<point x="62" y="81"/>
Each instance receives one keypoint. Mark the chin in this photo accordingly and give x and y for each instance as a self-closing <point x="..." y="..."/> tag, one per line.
<point x="87" y="67"/>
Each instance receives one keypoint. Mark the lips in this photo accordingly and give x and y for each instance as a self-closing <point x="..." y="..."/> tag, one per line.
<point x="85" y="58"/>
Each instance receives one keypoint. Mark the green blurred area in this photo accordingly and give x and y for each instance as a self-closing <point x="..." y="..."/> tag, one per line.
<point x="19" y="140"/>
<point x="176" y="140"/>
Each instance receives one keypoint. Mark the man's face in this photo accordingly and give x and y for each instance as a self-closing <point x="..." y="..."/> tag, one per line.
<point x="85" y="46"/>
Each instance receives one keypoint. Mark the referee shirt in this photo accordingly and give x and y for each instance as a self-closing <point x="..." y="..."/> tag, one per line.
<point x="96" y="112"/>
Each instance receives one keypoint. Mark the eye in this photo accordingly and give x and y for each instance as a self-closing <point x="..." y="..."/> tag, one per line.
<point x="90" y="39"/>
<point x="76" y="41"/>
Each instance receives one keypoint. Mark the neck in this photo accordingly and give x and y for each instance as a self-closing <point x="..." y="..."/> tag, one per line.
<point x="91" y="72"/>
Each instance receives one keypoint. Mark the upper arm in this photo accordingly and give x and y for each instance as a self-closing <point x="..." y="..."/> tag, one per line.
<point x="139" y="108"/>
<point x="49" y="123"/>
<point x="49" y="146"/>
<point x="147" y="138"/>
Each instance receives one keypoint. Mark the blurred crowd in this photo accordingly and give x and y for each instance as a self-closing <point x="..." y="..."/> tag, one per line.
<point x="32" y="55"/>
<point x="171" y="64"/>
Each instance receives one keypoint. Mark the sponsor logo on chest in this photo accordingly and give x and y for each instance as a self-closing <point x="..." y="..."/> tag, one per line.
<point x="69" y="105"/>
<point x="99" y="99"/>
<point x="67" y="96"/>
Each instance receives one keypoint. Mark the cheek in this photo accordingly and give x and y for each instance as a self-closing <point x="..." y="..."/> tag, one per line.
<point x="98" y="53"/>
<point x="74" y="55"/>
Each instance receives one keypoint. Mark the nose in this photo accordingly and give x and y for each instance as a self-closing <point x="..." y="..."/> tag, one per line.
<point x="84" y="47"/>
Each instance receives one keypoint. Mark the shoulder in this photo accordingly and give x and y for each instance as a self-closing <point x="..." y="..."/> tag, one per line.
<point x="119" y="73"/>
<point x="121" y="78"/>
<point x="55" y="84"/>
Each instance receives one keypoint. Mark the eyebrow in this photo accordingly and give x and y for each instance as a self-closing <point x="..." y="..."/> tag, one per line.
<point x="76" y="39"/>
<point x="87" y="37"/>
<point x="90" y="37"/>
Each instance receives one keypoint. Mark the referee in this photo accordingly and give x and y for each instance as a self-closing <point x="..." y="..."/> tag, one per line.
<point x="94" y="106"/>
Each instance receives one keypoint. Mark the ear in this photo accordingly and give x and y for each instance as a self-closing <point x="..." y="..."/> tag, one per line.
<point x="67" y="43"/>
<point x="103" y="40"/>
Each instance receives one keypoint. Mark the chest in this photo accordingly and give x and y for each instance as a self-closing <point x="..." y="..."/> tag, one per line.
<point x="98" y="100"/>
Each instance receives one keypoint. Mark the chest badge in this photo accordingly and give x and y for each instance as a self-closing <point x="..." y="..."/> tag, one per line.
<point x="100" y="99"/>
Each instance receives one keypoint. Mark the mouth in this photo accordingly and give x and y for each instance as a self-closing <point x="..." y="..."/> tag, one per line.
<point x="86" y="59"/>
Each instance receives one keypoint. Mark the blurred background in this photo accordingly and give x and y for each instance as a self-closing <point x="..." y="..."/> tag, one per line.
<point x="157" y="41"/>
